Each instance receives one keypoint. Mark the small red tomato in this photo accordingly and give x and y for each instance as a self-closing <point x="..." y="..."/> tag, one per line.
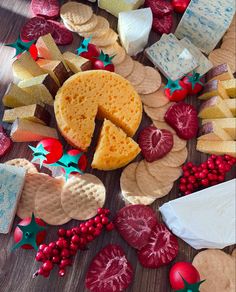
<point x="40" y="236"/>
<point x="176" y="90"/>
<point x="193" y="82"/>
<point x="55" y="149"/>
<point x="185" y="270"/>
<point x="91" y="54"/>
<point x="180" y="6"/>
<point x="99" y="65"/>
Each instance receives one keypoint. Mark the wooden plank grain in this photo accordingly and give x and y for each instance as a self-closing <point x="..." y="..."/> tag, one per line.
<point x="16" y="268"/>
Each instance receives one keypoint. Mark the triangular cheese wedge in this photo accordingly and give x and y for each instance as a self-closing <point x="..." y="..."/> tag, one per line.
<point x="114" y="149"/>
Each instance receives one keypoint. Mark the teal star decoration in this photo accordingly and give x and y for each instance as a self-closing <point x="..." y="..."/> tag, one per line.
<point x="70" y="169"/>
<point x="173" y="85"/>
<point x="195" y="78"/>
<point x="105" y="58"/>
<point x="69" y="160"/>
<point x="84" y="46"/>
<point x="29" y="235"/>
<point x="20" y="46"/>
<point x="190" y="287"/>
<point x="39" y="153"/>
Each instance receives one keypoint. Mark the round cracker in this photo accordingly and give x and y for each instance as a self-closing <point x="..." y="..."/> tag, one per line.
<point x="218" y="268"/>
<point x="134" y="200"/>
<point x="157" y="113"/>
<point x="179" y="143"/>
<point x="233" y="254"/>
<point x="163" y="125"/>
<point x="126" y="67"/>
<point x="82" y="196"/>
<point x="175" y="159"/>
<point x="155" y="99"/>
<point x="76" y="13"/>
<point x="149" y="185"/>
<point x="26" y="204"/>
<point x="220" y="56"/>
<point x="229" y="35"/>
<point x="24" y="163"/>
<point x="163" y="172"/>
<point x="99" y="30"/>
<point x="48" y="202"/>
<point x="87" y="26"/>
<point x="229" y="45"/>
<point x="69" y="25"/>
<point x="115" y="50"/>
<point x="137" y="75"/>
<point x="151" y="82"/>
<point x="107" y="39"/>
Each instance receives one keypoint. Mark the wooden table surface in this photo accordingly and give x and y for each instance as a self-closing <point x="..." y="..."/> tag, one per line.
<point x="16" y="268"/>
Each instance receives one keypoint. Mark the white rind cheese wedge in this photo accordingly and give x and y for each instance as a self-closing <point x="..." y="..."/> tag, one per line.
<point x="134" y="28"/>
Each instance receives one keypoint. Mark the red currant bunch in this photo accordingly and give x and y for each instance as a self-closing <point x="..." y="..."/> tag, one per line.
<point x="61" y="251"/>
<point x="208" y="173"/>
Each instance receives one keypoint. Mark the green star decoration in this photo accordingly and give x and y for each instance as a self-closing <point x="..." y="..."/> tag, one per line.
<point x="190" y="287"/>
<point x="173" y="85"/>
<point x="195" y="78"/>
<point x="84" y="46"/>
<point x="105" y="58"/>
<point x="29" y="235"/>
<point x="20" y="46"/>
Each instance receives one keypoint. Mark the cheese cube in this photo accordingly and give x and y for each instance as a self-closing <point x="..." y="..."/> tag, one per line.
<point x="115" y="7"/>
<point x="27" y="131"/>
<point x="25" y="67"/>
<point x="134" y="28"/>
<point x="214" y="108"/>
<point x="211" y="131"/>
<point x="231" y="104"/>
<point x="212" y="88"/>
<point x="217" y="147"/>
<point x="220" y="72"/>
<point x="35" y="113"/>
<point x="227" y="124"/>
<point x="230" y="87"/>
<point x="15" y="97"/>
<point x="77" y="63"/>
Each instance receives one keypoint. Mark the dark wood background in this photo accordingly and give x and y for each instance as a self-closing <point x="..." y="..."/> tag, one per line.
<point x="16" y="268"/>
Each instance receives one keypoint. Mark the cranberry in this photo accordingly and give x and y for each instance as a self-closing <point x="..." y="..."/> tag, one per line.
<point x="41" y="271"/>
<point x="205" y="182"/>
<point x="52" y="245"/>
<point x="61" y="272"/>
<point x="69" y="233"/>
<point x="202" y="175"/>
<point x="192" y="179"/>
<point x="186" y="173"/>
<point x="47" y="266"/>
<point x="75" y="239"/>
<point x="221" y="178"/>
<point x="39" y="256"/>
<point x="88" y="224"/>
<point x="211" y="165"/>
<point x="99" y="226"/>
<point x="100" y="211"/>
<point x="182" y="188"/>
<point x="105" y="220"/>
<point x="64" y="263"/>
<point x="65" y="253"/>
<point x="189" y="164"/>
<point x="42" y="246"/>
<point x="90" y="237"/>
<point x="213" y="156"/>
<point x="204" y="165"/>
<point x="97" y="219"/>
<point x="110" y="226"/>
<point x="61" y="232"/>
<point x="97" y="232"/>
<point x="47" y="251"/>
<point x="91" y="229"/>
<point x="56" y="259"/>
<point x="84" y="229"/>
<point x="73" y="246"/>
<point x="184" y="168"/>
<point x="83" y="241"/>
<point x="194" y="169"/>
<point x="55" y="251"/>
<point x="195" y="185"/>
<point x="190" y="187"/>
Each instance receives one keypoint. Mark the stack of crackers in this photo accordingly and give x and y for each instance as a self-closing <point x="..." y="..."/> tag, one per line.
<point x="55" y="200"/>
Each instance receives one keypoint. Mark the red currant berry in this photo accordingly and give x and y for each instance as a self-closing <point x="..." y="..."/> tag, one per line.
<point x="61" y="232"/>
<point x="47" y="251"/>
<point x="105" y="220"/>
<point x="89" y="237"/>
<point x="190" y="187"/>
<point x="64" y="263"/>
<point x="107" y="211"/>
<point x="55" y="251"/>
<point x="83" y="241"/>
<point x="213" y="156"/>
<point x="183" y="180"/>
<point x="182" y="188"/>
<point x="69" y="233"/>
<point x="194" y="169"/>
<point x="195" y="185"/>
<point x="187" y="193"/>
<point x="41" y="271"/>
<point x="184" y="168"/>
<point x="221" y="178"/>
<point x="204" y="165"/>
<point x="75" y="239"/>
<point x="47" y="266"/>
<point x="100" y="211"/>
<point x="56" y="259"/>
<point x="88" y="224"/>
<point x="97" y="219"/>
<point x="97" y="232"/>
<point x="91" y="229"/>
<point x="110" y="226"/>
<point x="39" y="256"/>
<point x="84" y="229"/>
<point x="65" y="253"/>
<point x="61" y="272"/>
<point x="73" y="252"/>
<point x="52" y="244"/>
<point x="192" y="179"/>
<point x="99" y="226"/>
<point x="186" y="173"/>
<point x="205" y="182"/>
<point x="202" y="175"/>
<point x="42" y="246"/>
<point x="73" y="246"/>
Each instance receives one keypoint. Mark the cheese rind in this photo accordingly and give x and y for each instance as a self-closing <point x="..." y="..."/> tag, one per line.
<point x="77" y="63"/>
<point x="35" y="113"/>
<point x="217" y="147"/>
<point x="230" y="87"/>
<point x="211" y="131"/>
<point x="231" y="104"/>
<point x="212" y="88"/>
<point x="115" y="7"/>
<point x="227" y="124"/>
<point x="134" y="28"/>
<point x="221" y="72"/>
<point x="27" y="131"/>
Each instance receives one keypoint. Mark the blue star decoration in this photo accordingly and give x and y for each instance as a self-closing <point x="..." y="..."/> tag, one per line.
<point x="84" y="46"/>
<point x="29" y="234"/>
<point x="173" y="85"/>
<point x="39" y="153"/>
<point x="190" y="287"/>
<point x="20" y="46"/>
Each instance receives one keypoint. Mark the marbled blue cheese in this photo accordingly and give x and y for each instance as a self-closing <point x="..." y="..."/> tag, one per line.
<point x="171" y="58"/>
<point x="205" y="22"/>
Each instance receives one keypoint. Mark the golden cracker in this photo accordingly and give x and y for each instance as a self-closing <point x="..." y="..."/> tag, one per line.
<point x="179" y="143"/>
<point x="48" y="202"/>
<point x="87" y="26"/>
<point x="115" y="50"/>
<point x="109" y="38"/>
<point x="99" y="30"/>
<point x="82" y="196"/>
<point x="175" y="159"/>
<point x="151" y="82"/>
<point x="149" y="185"/>
<point x="229" y="45"/>
<point x="220" y="56"/>
<point x="76" y="13"/>
<point x="229" y="35"/>
<point x="157" y="113"/>
<point x="24" y="163"/>
<point x="137" y="75"/>
<point x="126" y="67"/>
<point x="163" y="125"/>
<point x="155" y="99"/>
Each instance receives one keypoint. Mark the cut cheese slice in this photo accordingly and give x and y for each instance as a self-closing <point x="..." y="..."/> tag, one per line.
<point x="15" y="96"/>
<point x="35" y="113"/>
<point x="27" y="131"/>
<point x="212" y="88"/>
<point x="227" y="124"/>
<point x="220" y="72"/>
<point x="43" y="87"/>
<point x="211" y="131"/>
<point x="230" y="87"/>
<point x="114" y="149"/>
<point x="25" y="67"/>
<point x="214" y="108"/>
<point x="217" y="147"/>
<point x="134" y="28"/>
<point x="77" y="63"/>
<point x="231" y="104"/>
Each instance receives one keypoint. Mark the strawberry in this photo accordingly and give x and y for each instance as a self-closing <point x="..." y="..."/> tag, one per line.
<point x="134" y="223"/>
<point x="194" y="82"/>
<point x="159" y="7"/>
<point x="109" y="271"/>
<point x="182" y="117"/>
<point x="176" y="90"/>
<point x="155" y="143"/>
<point x="5" y="142"/>
<point x="163" y="24"/>
<point x="161" y="248"/>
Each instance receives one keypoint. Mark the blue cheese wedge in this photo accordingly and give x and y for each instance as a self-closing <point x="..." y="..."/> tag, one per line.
<point x="134" y="28"/>
<point x="204" y="219"/>
<point x="115" y="7"/>
<point x="171" y="58"/>
<point x="11" y="184"/>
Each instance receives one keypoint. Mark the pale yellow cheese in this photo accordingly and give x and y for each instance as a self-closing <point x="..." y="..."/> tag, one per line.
<point x="227" y="124"/>
<point x="214" y="108"/>
<point x="231" y="104"/>
<point x="217" y="147"/>
<point x="230" y="87"/>
<point x="76" y="63"/>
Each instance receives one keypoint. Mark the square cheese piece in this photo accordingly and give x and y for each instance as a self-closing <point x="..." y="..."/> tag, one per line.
<point x="134" y="28"/>
<point x="116" y="6"/>
<point x="11" y="184"/>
